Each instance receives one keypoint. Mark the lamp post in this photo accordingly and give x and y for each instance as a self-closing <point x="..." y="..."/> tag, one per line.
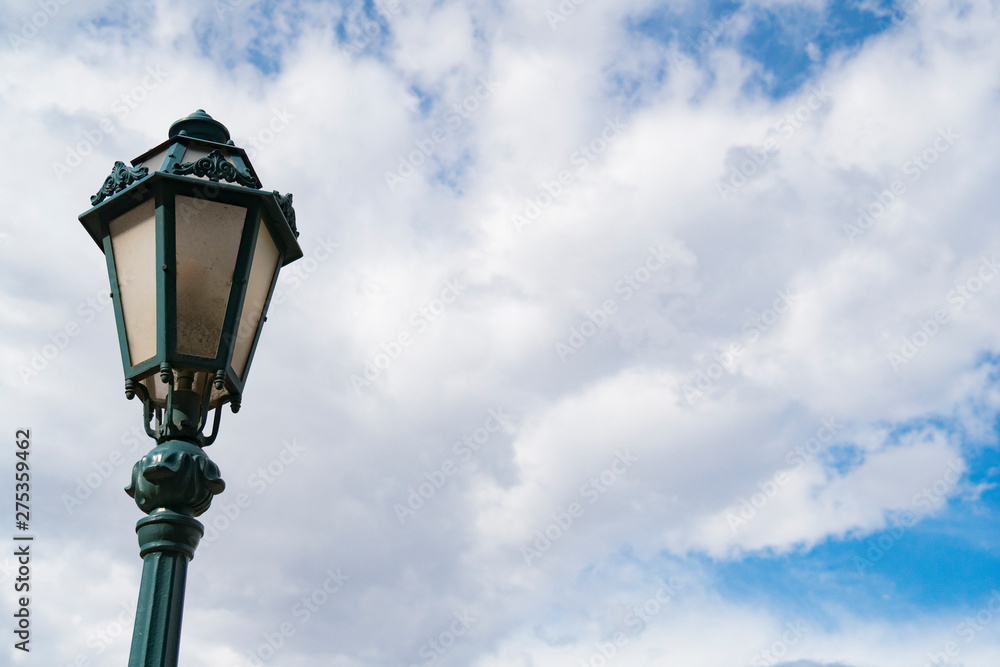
<point x="193" y="248"/>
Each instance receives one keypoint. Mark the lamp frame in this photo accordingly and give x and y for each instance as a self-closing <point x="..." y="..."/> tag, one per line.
<point x="201" y="179"/>
<point x="176" y="481"/>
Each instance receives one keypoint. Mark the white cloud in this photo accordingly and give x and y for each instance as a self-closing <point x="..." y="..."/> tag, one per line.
<point x="377" y="255"/>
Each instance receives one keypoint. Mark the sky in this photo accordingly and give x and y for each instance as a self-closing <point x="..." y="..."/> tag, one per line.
<point x="628" y="334"/>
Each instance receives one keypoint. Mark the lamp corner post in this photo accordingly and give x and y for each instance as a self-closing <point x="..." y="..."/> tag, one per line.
<point x="193" y="247"/>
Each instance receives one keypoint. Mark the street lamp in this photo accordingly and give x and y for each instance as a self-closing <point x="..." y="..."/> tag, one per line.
<point x="193" y="248"/>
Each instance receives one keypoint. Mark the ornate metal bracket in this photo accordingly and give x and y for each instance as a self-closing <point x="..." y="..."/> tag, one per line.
<point x="173" y="421"/>
<point x="215" y="167"/>
<point x="121" y="177"/>
<point x="285" y="204"/>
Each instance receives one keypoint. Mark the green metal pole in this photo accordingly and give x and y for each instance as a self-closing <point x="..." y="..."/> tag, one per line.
<point x="173" y="483"/>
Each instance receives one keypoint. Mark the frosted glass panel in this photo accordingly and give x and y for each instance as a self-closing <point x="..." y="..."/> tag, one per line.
<point x="265" y="263"/>
<point x="158" y="390"/>
<point x="133" y="243"/>
<point x="154" y="163"/>
<point x="207" y="241"/>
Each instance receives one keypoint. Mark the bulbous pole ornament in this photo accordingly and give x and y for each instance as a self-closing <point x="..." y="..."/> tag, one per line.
<point x="173" y="483"/>
<point x="176" y="476"/>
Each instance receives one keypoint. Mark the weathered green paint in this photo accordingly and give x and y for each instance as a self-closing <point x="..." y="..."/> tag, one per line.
<point x="163" y="189"/>
<point x="156" y="635"/>
<point x="173" y="157"/>
<point x="201" y="126"/>
<point x="260" y="324"/>
<point x="122" y="176"/>
<point x="237" y="297"/>
<point x="166" y="319"/>
<point x="173" y="483"/>
<point x="176" y="480"/>
<point x="216" y="167"/>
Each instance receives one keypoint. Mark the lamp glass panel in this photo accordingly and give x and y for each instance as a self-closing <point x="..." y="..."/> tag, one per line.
<point x="207" y="243"/>
<point x="155" y="162"/>
<point x="158" y="390"/>
<point x="265" y="263"/>
<point x="133" y="244"/>
<point x="205" y="380"/>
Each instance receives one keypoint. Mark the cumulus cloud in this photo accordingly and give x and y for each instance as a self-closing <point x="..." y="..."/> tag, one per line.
<point x="659" y="321"/>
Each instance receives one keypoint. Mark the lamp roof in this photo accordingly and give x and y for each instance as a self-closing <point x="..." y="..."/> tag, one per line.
<point x="200" y="126"/>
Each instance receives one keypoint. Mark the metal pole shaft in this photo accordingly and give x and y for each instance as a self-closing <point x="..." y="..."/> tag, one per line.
<point x="157" y="634"/>
<point x="173" y="483"/>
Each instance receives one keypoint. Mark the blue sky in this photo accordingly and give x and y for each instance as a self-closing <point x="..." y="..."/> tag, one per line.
<point x="629" y="229"/>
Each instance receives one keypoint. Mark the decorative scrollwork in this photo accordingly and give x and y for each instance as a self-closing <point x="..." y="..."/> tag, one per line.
<point x="175" y="475"/>
<point x="285" y="204"/>
<point x="121" y="177"/>
<point x="216" y="167"/>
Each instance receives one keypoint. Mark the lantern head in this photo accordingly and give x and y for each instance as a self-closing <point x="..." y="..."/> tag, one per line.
<point x="193" y="248"/>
